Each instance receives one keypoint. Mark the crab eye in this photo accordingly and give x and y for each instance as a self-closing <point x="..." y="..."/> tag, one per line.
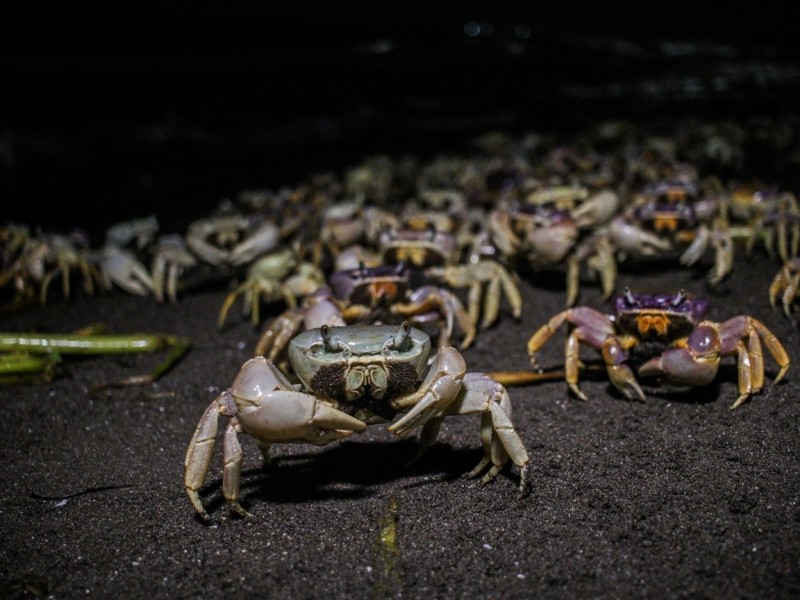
<point x="325" y="332"/>
<point x="679" y="298"/>
<point x="401" y="336"/>
<point x="629" y="299"/>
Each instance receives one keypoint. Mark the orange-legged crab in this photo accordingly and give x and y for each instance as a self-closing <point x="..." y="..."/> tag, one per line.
<point x="352" y="377"/>
<point x="664" y="336"/>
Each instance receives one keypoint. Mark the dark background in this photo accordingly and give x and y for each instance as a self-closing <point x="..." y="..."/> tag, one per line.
<point x="112" y="111"/>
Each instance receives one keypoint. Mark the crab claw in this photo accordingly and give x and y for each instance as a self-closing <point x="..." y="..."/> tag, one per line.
<point x="696" y="364"/>
<point x="121" y="267"/>
<point x="439" y="389"/>
<point x="618" y="371"/>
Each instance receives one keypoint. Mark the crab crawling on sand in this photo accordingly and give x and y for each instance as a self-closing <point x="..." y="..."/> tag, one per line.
<point x="663" y="336"/>
<point x="352" y="377"/>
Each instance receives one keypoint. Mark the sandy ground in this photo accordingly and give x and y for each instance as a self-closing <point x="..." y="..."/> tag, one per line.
<point x="674" y="497"/>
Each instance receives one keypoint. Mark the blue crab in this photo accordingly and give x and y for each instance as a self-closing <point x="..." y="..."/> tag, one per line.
<point x="664" y="336"/>
<point x="352" y="377"/>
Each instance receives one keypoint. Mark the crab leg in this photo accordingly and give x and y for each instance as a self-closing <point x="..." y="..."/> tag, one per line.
<point x="501" y="442"/>
<point x="232" y="471"/>
<point x="743" y="327"/>
<point x="201" y="448"/>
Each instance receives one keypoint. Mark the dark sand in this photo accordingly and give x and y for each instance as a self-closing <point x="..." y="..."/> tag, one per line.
<point x="673" y="497"/>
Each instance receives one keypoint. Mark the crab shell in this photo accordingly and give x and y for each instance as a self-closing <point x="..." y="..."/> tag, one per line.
<point x="360" y="360"/>
<point x="669" y="316"/>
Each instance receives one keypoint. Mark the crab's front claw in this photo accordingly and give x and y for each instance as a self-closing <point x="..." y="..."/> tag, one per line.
<point x="618" y="371"/>
<point x="439" y="389"/>
<point x="695" y="365"/>
<point x="262" y="240"/>
<point x="121" y="267"/>
<point x="680" y="366"/>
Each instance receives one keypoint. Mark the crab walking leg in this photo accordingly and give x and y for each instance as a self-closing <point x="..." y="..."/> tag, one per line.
<point x="480" y="394"/>
<point x="743" y="327"/>
<point x="591" y="328"/>
<point x="786" y="284"/>
<point x="232" y="471"/>
<point x="201" y="448"/>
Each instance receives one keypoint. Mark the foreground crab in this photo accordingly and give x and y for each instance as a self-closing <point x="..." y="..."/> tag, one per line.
<point x="352" y="377"/>
<point x="664" y="336"/>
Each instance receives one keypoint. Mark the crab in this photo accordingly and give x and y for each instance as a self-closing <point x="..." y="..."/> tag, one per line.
<point x="231" y="239"/>
<point x="663" y="336"/>
<point x="352" y="377"/>
<point x="437" y="252"/>
<point x="554" y="226"/>
<point x="672" y="219"/>
<point x="275" y="275"/>
<point x="370" y="295"/>
<point x="37" y="260"/>
<point x="769" y="214"/>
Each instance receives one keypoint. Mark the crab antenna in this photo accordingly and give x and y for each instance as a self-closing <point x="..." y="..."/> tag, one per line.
<point x="680" y="297"/>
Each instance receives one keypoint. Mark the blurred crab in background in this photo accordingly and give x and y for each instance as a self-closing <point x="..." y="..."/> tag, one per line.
<point x="671" y="219"/>
<point x="370" y="295"/>
<point x="766" y="214"/>
<point x="352" y="377"/>
<point x="555" y="226"/>
<point x="271" y="277"/>
<point x="230" y="238"/>
<point x="437" y="254"/>
<point x="663" y="336"/>
<point x="31" y="263"/>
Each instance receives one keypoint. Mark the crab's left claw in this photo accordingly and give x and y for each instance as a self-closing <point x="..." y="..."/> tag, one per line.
<point x="696" y="364"/>
<point x="262" y="240"/>
<point x="439" y="389"/>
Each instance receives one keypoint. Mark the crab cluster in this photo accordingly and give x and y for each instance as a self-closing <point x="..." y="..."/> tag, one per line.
<point x="358" y="269"/>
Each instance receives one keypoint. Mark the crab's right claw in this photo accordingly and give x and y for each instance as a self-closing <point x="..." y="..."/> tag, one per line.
<point x="121" y="267"/>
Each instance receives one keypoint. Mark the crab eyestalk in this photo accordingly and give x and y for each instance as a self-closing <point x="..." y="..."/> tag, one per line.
<point x="400" y="337"/>
<point x="330" y="343"/>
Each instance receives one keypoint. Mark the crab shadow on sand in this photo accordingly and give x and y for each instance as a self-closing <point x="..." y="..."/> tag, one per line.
<point x="347" y="470"/>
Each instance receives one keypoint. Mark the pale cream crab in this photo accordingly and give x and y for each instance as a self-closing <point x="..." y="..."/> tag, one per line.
<point x="273" y="276"/>
<point x="352" y="377"/>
